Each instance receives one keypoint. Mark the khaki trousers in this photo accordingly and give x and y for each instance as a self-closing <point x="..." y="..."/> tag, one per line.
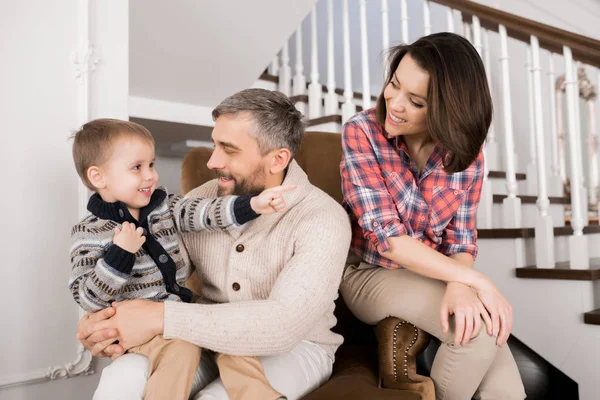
<point x="173" y="364"/>
<point x="479" y="369"/>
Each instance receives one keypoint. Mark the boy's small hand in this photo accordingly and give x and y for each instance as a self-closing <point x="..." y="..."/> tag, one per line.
<point x="270" y="200"/>
<point x="129" y="238"/>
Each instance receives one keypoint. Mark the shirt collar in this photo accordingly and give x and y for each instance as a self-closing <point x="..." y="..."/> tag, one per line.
<point x="119" y="212"/>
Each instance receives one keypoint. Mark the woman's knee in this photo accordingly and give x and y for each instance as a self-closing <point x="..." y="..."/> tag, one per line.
<point x="124" y="378"/>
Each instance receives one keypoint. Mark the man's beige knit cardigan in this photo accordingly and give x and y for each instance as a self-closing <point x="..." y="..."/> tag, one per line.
<point x="275" y="280"/>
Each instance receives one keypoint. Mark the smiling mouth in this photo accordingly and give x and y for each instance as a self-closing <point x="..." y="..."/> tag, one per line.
<point x="396" y="120"/>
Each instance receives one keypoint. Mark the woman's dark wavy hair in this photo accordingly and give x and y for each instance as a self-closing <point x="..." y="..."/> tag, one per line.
<point x="459" y="105"/>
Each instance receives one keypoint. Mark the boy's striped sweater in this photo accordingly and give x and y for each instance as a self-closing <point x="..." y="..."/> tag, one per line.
<point x="102" y="272"/>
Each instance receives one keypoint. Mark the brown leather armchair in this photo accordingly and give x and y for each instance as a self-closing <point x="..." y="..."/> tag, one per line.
<point x="372" y="363"/>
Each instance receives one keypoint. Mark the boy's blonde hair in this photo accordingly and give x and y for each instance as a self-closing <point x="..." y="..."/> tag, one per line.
<point x="92" y="143"/>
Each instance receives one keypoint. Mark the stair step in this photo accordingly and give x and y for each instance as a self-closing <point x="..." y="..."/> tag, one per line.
<point x="303" y="98"/>
<point x="323" y="120"/>
<point x="501" y="174"/>
<point x="275" y="79"/>
<point x="525" y="233"/>
<point x="498" y="198"/>
<point x="562" y="271"/>
<point x="592" y="317"/>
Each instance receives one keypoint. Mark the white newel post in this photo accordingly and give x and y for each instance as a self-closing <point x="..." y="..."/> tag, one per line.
<point x="331" y="98"/>
<point x="578" y="245"/>
<point x="555" y="182"/>
<point x="512" y="203"/>
<point x="426" y="18"/>
<point x="450" y="19"/>
<point x="484" y="211"/>
<point x="581" y="78"/>
<point x="315" y="90"/>
<point x="532" y="164"/>
<point x="589" y="95"/>
<point x="366" y="90"/>
<point x="544" y="229"/>
<point x="348" y="108"/>
<point x="285" y="72"/>
<point x="299" y="80"/>
<point x="404" y="21"/>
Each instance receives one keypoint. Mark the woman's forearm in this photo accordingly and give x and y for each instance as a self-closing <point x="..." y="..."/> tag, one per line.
<point x="420" y="258"/>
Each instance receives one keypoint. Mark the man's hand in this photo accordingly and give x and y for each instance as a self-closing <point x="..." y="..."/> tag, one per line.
<point x="97" y="340"/>
<point x="129" y="238"/>
<point x="461" y="301"/>
<point x="135" y="321"/>
<point x="270" y="200"/>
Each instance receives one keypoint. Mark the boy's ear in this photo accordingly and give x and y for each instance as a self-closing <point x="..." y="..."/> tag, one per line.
<point x="281" y="159"/>
<point x="95" y="177"/>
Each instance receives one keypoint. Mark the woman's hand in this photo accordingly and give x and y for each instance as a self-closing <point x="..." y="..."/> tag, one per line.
<point x="100" y="341"/>
<point x="461" y="301"/>
<point x="498" y="308"/>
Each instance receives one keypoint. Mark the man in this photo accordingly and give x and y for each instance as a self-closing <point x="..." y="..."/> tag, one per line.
<point x="268" y="289"/>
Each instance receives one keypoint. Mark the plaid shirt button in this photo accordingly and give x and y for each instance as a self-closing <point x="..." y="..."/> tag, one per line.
<point x="375" y="224"/>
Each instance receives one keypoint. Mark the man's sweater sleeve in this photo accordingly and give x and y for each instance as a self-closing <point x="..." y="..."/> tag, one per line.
<point x="97" y="275"/>
<point x="215" y="214"/>
<point x="306" y="286"/>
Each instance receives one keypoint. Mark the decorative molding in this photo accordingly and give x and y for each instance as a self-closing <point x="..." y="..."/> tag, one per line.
<point x="84" y="62"/>
<point x="587" y="90"/>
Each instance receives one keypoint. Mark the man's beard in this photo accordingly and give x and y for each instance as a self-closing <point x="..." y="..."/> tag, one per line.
<point x="244" y="186"/>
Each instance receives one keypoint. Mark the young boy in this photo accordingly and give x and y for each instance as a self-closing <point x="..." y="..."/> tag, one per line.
<point x="127" y="247"/>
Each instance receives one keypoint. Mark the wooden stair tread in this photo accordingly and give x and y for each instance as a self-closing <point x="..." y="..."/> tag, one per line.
<point x="562" y="272"/>
<point x="592" y="317"/>
<point x="524" y="233"/>
<point x="498" y="198"/>
<point x="323" y="120"/>
<point x="275" y="79"/>
<point x="303" y="98"/>
<point x="502" y="174"/>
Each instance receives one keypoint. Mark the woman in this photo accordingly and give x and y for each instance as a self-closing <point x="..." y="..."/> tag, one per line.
<point x="412" y="172"/>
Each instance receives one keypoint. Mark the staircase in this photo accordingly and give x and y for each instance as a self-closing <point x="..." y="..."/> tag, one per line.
<point x="539" y="242"/>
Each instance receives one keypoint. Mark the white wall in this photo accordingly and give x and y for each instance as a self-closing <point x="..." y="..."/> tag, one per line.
<point x="41" y="107"/>
<point x="169" y="170"/>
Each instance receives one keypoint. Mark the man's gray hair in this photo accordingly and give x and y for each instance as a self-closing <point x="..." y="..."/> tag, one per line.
<point x="277" y="122"/>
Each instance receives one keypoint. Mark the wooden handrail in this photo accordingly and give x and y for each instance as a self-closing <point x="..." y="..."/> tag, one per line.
<point x="585" y="49"/>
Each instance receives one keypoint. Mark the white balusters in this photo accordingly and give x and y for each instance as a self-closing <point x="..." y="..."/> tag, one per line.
<point x="555" y="182"/>
<point x="426" y="18"/>
<point x="531" y="166"/>
<point x="366" y="90"/>
<point x="592" y="142"/>
<point x="512" y="203"/>
<point x="477" y="35"/>
<point x="285" y="72"/>
<point x="331" y="98"/>
<point x="315" y="90"/>
<point x="491" y="141"/>
<point x="578" y="245"/>
<point x="544" y="230"/>
<point x="450" y="19"/>
<point x="584" y="198"/>
<point x="348" y="108"/>
<point x="274" y="67"/>
<point x="299" y="81"/>
<point x="385" y="29"/>
<point x="562" y="135"/>
<point x="404" y="21"/>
